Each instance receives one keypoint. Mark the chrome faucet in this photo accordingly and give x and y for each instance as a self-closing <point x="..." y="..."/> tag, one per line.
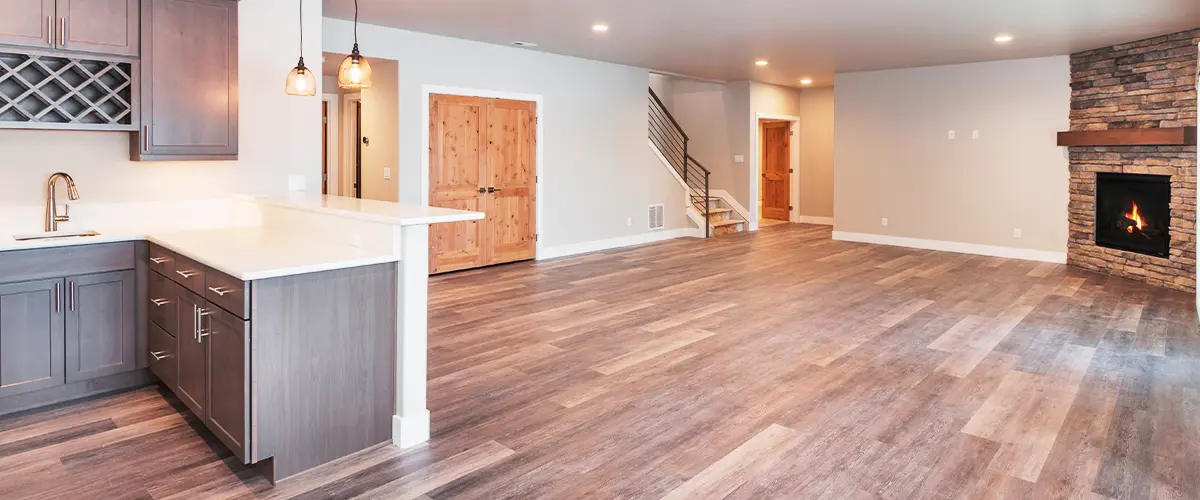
<point x="52" y="217"/>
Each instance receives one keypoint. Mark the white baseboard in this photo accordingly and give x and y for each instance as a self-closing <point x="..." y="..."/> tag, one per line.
<point x="623" y="241"/>
<point x="410" y="431"/>
<point x="810" y="219"/>
<point x="954" y="246"/>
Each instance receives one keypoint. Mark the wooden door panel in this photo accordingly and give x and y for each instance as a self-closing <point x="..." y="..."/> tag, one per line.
<point x="28" y="22"/>
<point x="104" y="26"/>
<point x="31" y="336"/>
<point x="511" y="168"/>
<point x="191" y="356"/>
<point x="101" y="335"/>
<point x="456" y="140"/>
<point x="776" y="166"/>
<point x="228" y="344"/>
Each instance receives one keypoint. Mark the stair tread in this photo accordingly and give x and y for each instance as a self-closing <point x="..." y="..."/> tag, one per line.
<point x="719" y="210"/>
<point x="729" y="222"/>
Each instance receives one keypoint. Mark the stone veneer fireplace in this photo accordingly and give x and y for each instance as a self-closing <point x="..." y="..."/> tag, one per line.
<point x="1143" y="86"/>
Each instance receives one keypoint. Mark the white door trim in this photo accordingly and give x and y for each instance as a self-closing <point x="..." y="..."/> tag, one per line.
<point x="334" y="143"/>
<point x="539" y="158"/>
<point x="348" y="142"/>
<point x="756" y="169"/>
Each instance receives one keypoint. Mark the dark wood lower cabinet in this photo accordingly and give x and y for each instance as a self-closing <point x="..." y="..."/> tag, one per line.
<point x="192" y="358"/>
<point x="31" y="336"/>
<point x="228" y="378"/>
<point x="101" y="334"/>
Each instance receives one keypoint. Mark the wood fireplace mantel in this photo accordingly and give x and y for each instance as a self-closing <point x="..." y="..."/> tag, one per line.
<point x="1174" y="136"/>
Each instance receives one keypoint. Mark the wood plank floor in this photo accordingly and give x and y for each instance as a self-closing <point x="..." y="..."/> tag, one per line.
<point x="776" y="364"/>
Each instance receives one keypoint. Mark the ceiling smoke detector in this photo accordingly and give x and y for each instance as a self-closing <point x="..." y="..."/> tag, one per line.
<point x="527" y="45"/>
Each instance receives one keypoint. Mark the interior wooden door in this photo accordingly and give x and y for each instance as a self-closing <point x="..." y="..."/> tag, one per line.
<point x="776" y="170"/>
<point x="512" y="181"/>
<point x="456" y="162"/>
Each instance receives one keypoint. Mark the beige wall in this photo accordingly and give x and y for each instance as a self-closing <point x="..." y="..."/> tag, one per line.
<point x="714" y="115"/>
<point x="380" y="124"/>
<point x="816" y="152"/>
<point x="279" y="134"/>
<point x="597" y="170"/>
<point x="893" y="157"/>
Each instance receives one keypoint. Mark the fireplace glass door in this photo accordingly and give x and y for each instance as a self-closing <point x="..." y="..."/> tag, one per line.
<point x="1133" y="212"/>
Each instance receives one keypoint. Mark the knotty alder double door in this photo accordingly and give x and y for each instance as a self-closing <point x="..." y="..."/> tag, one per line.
<point x="482" y="158"/>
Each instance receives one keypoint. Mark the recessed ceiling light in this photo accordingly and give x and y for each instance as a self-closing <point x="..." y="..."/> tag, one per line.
<point x="599" y="27"/>
<point x="806" y="81"/>
<point x="1003" y="38"/>
<point x="761" y="62"/>
<point x="527" y="45"/>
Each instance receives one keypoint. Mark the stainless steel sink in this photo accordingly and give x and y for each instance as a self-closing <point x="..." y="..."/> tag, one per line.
<point x="56" y="235"/>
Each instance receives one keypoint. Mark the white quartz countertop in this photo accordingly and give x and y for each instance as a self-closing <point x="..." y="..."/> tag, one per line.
<point x="369" y="210"/>
<point x="255" y="253"/>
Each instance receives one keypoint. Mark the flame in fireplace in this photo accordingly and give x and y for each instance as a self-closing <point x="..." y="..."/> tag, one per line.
<point x="1138" y="222"/>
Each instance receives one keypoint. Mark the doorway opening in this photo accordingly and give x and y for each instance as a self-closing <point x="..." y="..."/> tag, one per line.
<point x="362" y="133"/>
<point x="777" y="168"/>
<point x="483" y="156"/>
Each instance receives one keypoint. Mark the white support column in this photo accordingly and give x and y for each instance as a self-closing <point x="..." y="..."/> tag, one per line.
<point x="410" y="425"/>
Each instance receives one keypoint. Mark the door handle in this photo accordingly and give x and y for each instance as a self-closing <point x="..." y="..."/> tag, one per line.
<point x="482" y="190"/>
<point x="493" y="189"/>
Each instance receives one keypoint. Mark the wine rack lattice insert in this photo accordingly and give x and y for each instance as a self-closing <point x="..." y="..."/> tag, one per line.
<point x="40" y="89"/>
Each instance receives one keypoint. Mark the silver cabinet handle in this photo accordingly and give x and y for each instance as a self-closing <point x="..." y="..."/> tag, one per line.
<point x="195" y="323"/>
<point x="187" y="274"/>
<point x="160" y="302"/>
<point x="58" y="297"/>
<point x="50" y="30"/>
<point x="159" y="260"/>
<point x="202" y="313"/>
<point x="159" y="356"/>
<point x="220" y="290"/>
<point x="62" y="32"/>
<point x="71" y="295"/>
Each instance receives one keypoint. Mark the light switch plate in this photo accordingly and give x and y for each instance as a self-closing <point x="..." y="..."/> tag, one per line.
<point x="950" y="135"/>
<point x="739" y="158"/>
<point x="974" y="134"/>
<point x="387" y="173"/>
<point x="883" y="222"/>
<point x="1017" y="233"/>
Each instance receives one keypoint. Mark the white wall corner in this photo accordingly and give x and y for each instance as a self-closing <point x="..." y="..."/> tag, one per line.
<point x="954" y="246"/>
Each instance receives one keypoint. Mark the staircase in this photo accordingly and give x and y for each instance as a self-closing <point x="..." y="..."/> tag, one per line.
<point x="715" y="213"/>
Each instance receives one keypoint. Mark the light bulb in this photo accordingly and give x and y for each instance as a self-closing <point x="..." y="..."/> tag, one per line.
<point x="301" y="85"/>
<point x="355" y="73"/>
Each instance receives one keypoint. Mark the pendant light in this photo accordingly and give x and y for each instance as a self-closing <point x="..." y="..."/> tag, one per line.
<point x="355" y="71"/>
<point x="301" y="81"/>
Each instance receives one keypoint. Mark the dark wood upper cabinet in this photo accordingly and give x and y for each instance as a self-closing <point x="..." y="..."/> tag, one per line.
<point x="101" y="334"/>
<point x="100" y="26"/>
<point x="31" y="336"/>
<point x="188" y="94"/>
<point x="30" y="23"/>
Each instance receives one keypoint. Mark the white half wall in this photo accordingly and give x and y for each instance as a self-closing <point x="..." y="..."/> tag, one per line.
<point x="279" y="135"/>
<point x="597" y="171"/>
<point x="893" y="157"/>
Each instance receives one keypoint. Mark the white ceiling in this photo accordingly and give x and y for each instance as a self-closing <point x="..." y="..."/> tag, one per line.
<point x="720" y="39"/>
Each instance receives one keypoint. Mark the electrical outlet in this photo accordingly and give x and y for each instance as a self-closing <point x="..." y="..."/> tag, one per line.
<point x="739" y="158"/>
<point x="1017" y="233"/>
<point x="950" y="135"/>
<point x="974" y="134"/>
<point x="883" y="222"/>
<point x="387" y="173"/>
<point x="629" y="222"/>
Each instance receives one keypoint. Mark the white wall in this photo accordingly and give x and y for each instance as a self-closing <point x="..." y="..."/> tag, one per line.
<point x="597" y="169"/>
<point x="816" y="152"/>
<point x="279" y="134"/>
<point x="893" y="158"/>
<point x="380" y="125"/>
<point x="714" y="115"/>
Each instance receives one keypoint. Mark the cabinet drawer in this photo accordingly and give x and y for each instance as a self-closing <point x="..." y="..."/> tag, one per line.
<point x="163" y="359"/>
<point x="189" y="273"/>
<point x="162" y="306"/>
<point x="227" y="292"/>
<point x="162" y="260"/>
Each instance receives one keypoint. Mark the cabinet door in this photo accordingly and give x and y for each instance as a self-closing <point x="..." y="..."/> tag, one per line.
<point x="189" y="81"/>
<point x="101" y="330"/>
<point x="191" y="355"/>
<point x="228" y="378"/>
<point x="28" y="22"/>
<point x="102" y="26"/>
<point x="31" y="336"/>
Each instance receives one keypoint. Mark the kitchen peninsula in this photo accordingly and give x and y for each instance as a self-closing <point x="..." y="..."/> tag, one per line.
<point x="293" y="328"/>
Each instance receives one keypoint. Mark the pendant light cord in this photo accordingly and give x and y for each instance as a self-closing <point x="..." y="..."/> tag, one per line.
<point x="301" y="29"/>
<point x="355" y="22"/>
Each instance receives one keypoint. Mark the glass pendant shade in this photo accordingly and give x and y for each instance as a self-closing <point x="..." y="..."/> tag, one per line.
<point x="355" y="72"/>
<point x="301" y="81"/>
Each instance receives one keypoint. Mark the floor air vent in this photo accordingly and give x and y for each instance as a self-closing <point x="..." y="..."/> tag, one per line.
<point x="656" y="216"/>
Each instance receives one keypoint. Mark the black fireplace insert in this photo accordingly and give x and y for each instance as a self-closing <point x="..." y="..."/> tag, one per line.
<point x="1133" y="212"/>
